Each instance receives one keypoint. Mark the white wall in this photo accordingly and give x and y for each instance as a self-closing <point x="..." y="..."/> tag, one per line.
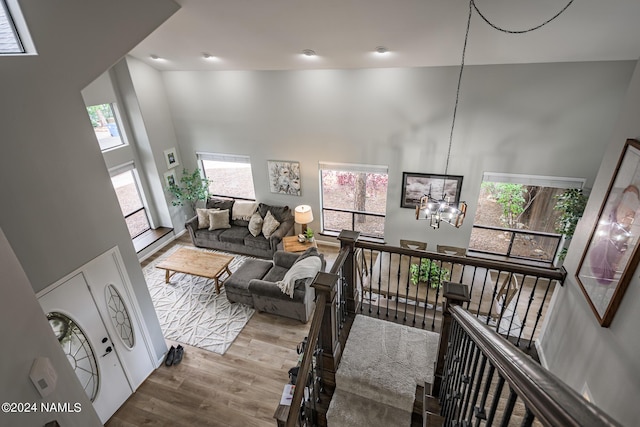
<point x="545" y="119"/>
<point x="59" y="207"/>
<point x="574" y="345"/>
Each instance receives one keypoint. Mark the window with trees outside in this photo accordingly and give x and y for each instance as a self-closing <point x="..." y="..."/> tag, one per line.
<point x="125" y="183"/>
<point x="229" y="175"/>
<point x="353" y="197"/>
<point x="517" y="217"/>
<point x="105" y="125"/>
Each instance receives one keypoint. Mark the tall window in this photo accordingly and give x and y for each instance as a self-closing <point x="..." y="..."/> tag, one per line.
<point x="229" y="175"/>
<point x="353" y="197"/>
<point x="105" y="125"/>
<point x="515" y="215"/>
<point x="134" y="212"/>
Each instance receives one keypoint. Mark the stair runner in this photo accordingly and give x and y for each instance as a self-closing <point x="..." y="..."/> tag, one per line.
<point x="381" y="366"/>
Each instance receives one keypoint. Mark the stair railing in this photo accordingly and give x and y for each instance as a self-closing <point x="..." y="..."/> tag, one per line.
<point x="330" y="325"/>
<point x="488" y="381"/>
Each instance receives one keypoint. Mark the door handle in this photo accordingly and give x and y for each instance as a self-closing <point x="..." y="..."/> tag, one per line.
<point x="108" y="350"/>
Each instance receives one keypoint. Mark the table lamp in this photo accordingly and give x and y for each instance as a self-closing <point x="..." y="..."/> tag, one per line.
<point x="303" y="215"/>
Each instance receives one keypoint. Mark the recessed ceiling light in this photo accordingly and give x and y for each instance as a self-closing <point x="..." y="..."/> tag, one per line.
<point x="209" y="57"/>
<point x="308" y="52"/>
<point x="155" y="57"/>
<point x="382" y="50"/>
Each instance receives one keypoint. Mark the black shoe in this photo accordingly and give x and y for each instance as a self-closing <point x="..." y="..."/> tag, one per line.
<point x="178" y="356"/>
<point x="171" y="354"/>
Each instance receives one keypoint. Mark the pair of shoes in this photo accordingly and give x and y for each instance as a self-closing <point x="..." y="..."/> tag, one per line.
<point x="171" y="354"/>
<point x="178" y="356"/>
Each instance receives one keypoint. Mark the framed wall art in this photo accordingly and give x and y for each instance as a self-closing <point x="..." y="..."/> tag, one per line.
<point x="284" y="177"/>
<point x="171" y="157"/>
<point x="170" y="178"/>
<point x="416" y="185"/>
<point x="611" y="256"/>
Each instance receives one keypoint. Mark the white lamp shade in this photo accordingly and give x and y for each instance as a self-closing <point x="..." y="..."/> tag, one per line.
<point x="303" y="214"/>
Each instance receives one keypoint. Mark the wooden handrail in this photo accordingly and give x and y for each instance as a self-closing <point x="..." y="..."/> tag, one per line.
<point x="545" y="395"/>
<point x="548" y="273"/>
<point x="303" y="372"/>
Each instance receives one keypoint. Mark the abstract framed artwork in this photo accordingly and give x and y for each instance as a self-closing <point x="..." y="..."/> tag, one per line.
<point x="611" y="256"/>
<point x="284" y="177"/>
<point x="171" y="157"/>
<point x="416" y="185"/>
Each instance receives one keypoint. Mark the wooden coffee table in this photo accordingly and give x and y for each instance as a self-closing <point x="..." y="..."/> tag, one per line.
<point x="197" y="263"/>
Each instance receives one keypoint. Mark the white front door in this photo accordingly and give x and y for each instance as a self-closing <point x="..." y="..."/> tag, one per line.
<point x="83" y="336"/>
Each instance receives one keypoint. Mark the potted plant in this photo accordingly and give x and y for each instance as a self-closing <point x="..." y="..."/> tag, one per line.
<point x="428" y="271"/>
<point x="191" y="188"/>
<point x="309" y="234"/>
<point x="571" y="205"/>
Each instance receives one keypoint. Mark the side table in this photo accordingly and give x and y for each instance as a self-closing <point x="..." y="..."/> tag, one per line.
<point x="291" y="244"/>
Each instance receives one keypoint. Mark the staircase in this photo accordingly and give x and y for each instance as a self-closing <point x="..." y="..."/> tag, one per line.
<point x="382" y="365"/>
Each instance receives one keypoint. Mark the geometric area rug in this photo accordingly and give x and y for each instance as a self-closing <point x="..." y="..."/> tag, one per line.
<point x="191" y="312"/>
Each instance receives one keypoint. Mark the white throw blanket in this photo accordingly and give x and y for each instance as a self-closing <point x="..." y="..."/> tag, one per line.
<point x="308" y="267"/>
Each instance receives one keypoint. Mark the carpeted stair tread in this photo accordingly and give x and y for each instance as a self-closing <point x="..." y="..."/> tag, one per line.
<point x="350" y="410"/>
<point x="384" y="362"/>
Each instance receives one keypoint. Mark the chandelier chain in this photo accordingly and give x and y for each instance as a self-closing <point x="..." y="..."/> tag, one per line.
<point x="520" y="31"/>
<point x="472" y="6"/>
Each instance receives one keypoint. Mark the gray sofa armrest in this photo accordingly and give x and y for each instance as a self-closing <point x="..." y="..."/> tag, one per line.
<point x="285" y="259"/>
<point x="191" y="226"/>
<point x="285" y="229"/>
<point x="267" y="289"/>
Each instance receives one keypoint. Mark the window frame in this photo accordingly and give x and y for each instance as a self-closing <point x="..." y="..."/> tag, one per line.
<point x="227" y="158"/>
<point x="130" y="167"/>
<point x="18" y="26"/>
<point x="118" y="122"/>
<point x="354" y="168"/>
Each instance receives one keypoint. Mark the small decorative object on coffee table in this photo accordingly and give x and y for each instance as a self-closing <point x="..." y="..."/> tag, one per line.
<point x="293" y="244"/>
<point x="197" y="263"/>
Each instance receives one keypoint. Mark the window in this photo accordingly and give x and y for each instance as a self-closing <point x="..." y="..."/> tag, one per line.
<point x="14" y="35"/>
<point x="230" y="175"/>
<point x="135" y="214"/>
<point x="105" y="126"/>
<point x="515" y="215"/>
<point x="353" y="197"/>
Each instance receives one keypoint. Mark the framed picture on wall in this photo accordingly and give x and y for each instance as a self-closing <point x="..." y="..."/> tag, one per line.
<point x="284" y="177"/>
<point x="612" y="255"/>
<point x="416" y="185"/>
<point x="171" y="157"/>
<point x="170" y="178"/>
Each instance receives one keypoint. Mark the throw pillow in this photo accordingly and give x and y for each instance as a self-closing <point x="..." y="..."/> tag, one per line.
<point x="242" y="210"/>
<point x="219" y="219"/>
<point x="269" y="225"/>
<point x="221" y="204"/>
<point x="203" y="217"/>
<point x="301" y="270"/>
<point x="255" y="224"/>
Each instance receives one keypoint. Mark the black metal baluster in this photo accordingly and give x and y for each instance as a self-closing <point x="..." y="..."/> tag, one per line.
<point x="476" y="391"/>
<point x="496" y="399"/>
<point x="479" y="411"/>
<point x="472" y="379"/>
<point x="539" y="315"/>
<point x="528" y="418"/>
<point x="523" y="321"/>
<point x="508" y="410"/>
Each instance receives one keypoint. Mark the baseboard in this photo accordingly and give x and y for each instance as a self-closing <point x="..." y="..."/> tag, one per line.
<point x="160" y="244"/>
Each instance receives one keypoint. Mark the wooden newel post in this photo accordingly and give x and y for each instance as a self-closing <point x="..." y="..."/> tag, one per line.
<point x="325" y="284"/>
<point x="348" y="240"/>
<point x="454" y="294"/>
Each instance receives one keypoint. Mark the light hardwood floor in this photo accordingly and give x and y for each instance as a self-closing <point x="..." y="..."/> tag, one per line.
<point x="240" y="388"/>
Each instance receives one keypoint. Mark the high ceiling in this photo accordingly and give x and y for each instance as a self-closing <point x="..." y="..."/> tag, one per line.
<point x="271" y="34"/>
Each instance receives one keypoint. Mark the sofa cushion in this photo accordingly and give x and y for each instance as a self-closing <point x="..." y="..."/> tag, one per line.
<point x="205" y="234"/>
<point x="255" y="224"/>
<point x="280" y="213"/>
<point x="269" y="225"/>
<point x="243" y="209"/>
<point x="234" y="235"/>
<point x="203" y="217"/>
<point x="308" y="267"/>
<point x="258" y="241"/>
<point x="221" y="204"/>
<point x="275" y="274"/>
<point x="218" y="219"/>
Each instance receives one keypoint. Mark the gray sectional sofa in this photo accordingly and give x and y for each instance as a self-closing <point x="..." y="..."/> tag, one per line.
<point x="237" y="238"/>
